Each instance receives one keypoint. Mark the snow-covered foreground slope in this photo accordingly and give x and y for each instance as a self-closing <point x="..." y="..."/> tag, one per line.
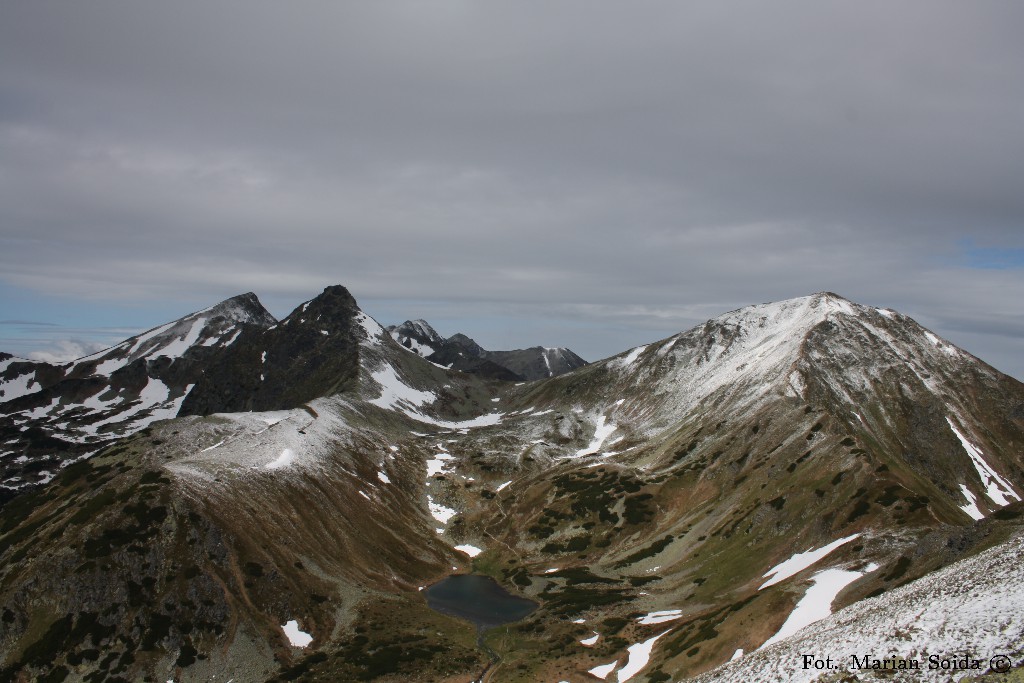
<point x="973" y="608"/>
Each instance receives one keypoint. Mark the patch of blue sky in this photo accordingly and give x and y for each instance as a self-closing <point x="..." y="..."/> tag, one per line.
<point x="32" y="322"/>
<point x="990" y="258"/>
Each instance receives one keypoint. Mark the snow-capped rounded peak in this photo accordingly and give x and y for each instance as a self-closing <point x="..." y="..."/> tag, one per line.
<point x="783" y="347"/>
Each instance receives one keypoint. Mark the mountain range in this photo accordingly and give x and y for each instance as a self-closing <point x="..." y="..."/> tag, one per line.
<point x="184" y="505"/>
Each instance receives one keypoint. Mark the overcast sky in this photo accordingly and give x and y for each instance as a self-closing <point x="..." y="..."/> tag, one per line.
<point x="587" y="174"/>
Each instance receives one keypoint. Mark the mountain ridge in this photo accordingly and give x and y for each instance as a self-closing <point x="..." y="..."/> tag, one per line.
<point x="460" y="352"/>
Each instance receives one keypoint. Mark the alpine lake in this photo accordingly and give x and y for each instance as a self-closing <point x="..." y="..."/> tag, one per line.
<point x="477" y="599"/>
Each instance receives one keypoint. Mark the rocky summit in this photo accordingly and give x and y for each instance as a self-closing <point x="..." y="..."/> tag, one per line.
<point x="231" y="497"/>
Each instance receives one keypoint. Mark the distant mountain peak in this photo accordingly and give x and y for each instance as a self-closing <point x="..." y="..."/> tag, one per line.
<point x="417" y="336"/>
<point x="242" y="308"/>
<point x="466" y="343"/>
<point x="423" y="327"/>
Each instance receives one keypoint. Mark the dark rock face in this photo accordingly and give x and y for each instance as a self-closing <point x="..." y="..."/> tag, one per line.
<point x="313" y="352"/>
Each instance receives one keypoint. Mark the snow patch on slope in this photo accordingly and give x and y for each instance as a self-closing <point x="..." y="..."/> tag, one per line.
<point x="603" y="670"/>
<point x="639" y="656"/>
<point x="295" y="636"/>
<point x="437" y="464"/>
<point x="180" y="345"/>
<point x="629" y="358"/>
<point x="396" y="394"/>
<point x="801" y="561"/>
<point x="22" y="385"/>
<point x="817" y="601"/>
<point x="660" y="616"/>
<point x="440" y="512"/>
<point x="971" y="508"/>
<point x="286" y="458"/>
<point x="371" y="327"/>
<point x="399" y="396"/>
<point x="414" y="345"/>
<point x="154" y="403"/>
<point x="602" y="430"/>
<point x="997" y="489"/>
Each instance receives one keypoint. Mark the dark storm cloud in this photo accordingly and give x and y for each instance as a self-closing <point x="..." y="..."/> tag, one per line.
<point x="640" y="166"/>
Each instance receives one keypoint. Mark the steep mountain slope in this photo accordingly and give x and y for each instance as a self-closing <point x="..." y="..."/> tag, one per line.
<point x="459" y="352"/>
<point x="52" y="413"/>
<point x="666" y="506"/>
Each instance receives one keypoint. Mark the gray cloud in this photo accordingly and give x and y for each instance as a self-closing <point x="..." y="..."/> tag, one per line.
<point x="574" y="165"/>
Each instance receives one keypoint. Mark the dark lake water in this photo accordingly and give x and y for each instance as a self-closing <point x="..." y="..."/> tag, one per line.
<point x="479" y="599"/>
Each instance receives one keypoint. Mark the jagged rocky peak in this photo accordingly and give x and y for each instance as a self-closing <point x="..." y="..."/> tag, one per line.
<point x="334" y="306"/>
<point x="417" y="336"/>
<point x="421" y="328"/>
<point x="312" y="352"/>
